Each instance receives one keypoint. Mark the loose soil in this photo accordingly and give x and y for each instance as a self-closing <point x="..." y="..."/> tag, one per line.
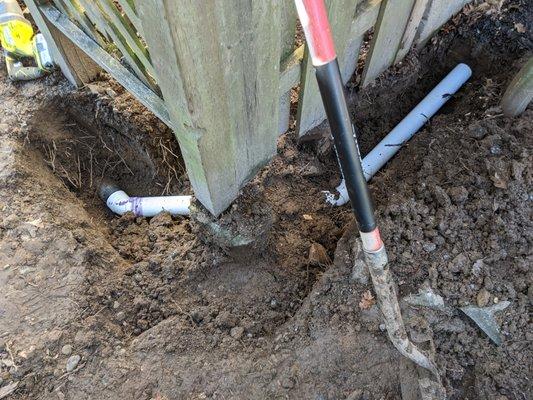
<point x="167" y="308"/>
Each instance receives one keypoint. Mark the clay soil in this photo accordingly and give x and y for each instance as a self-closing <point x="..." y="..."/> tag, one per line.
<point x="170" y="308"/>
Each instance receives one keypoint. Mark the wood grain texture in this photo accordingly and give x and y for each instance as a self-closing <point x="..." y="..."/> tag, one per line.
<point x="288" y="30"/>
<point x="77" y="67"/>
<point x="390" y="27"/>
<point x="228" y="93"/>
<point x="412" y="28"/>
<point x="436" y="15"/>
<point x="519" y="93"/>
<point x="365" y="18"/>
<point x="94" y="52"/>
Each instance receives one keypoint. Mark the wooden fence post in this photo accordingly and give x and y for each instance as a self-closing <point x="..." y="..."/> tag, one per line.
<point x="519" y="93"/>
<point x="77" y="67"/>
<point x="217" y="64"/>
<point x="288" y="30"/>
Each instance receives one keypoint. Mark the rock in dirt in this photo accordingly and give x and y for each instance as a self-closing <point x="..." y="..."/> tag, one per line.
<point x="318" y="255"/>
<point x="355" y="395"/>
<point x="429" y="247"/>
<point x="225" y="320"/>
<point x="483" y="297"/>
<point x="4" y="128"/>
<point x="237" y="332"/>
<point x="66" y="350"/>
<point x="441" y="197"/>
<point x="477" y="131"/>
<point x="73" y="362"/>
<point x="425" y="298"/>
<point x="458" y="194"/>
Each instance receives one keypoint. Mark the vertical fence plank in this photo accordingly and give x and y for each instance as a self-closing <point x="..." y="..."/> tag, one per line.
<point x="128" y="33"/>
<point x="288" y="31"/>
<point x="366" y="15"/>
<point x="415" y="20"/>
<point x="439" y="12"/>
<point x="310" y="109"/>
<point x="519" y="93"/>
<point x="72" y="9"/>
<point x="77" y="67"/>
<point x="222" y="97"/>
<point x="390" y="26"/>
<point x="129" y="11"/>
<point x="108" y="28"/>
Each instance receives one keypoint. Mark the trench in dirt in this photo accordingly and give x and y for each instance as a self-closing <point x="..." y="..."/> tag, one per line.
<point x="81" y="154"/>
<point x="172" y="267"/>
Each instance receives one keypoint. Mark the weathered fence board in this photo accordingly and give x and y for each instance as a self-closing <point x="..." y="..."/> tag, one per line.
<point x="310" y="109"/>
<point x="105" y="25"/>
<point x="288" y="31"/>
<point x="232" y="93"/>
<point x="438" y="13"/>
<point x="75" y="65"/>
<point x="519" y="93"/>
<point x="107" y="62"/>
<point x="411" y="29"/>
<point x="366" y="15"/>
<point x="74" y="11"/>
<point x="392" y="20"/>
<point x="129" y="9"/>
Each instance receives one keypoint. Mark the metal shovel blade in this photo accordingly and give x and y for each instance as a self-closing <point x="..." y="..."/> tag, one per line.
<point x="484" y="318"/>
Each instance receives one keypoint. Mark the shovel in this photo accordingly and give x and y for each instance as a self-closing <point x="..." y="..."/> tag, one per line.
<point x="314" y="20"/>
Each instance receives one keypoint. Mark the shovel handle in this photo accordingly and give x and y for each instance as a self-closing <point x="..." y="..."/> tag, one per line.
<point x="314" y="19"/>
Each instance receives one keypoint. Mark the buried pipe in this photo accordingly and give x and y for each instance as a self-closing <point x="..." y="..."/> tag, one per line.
<point x="120" y="203"/>
<point x="406" y="129"/>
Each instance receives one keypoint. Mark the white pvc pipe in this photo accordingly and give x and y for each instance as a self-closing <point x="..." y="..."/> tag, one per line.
<point x="120" y="203"/>
<point x="406" y="129"/>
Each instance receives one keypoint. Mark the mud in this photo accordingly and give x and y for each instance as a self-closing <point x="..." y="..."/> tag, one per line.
<point x="167" y="308"/>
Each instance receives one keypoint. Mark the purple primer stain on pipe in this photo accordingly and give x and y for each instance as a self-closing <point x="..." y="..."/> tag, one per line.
<point x="136" y="205"/>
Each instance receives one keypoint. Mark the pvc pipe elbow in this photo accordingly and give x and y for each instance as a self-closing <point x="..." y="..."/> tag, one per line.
<point x="120" y="203"/>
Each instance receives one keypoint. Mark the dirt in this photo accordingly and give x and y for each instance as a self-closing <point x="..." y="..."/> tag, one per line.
<point x="265" y="304"/>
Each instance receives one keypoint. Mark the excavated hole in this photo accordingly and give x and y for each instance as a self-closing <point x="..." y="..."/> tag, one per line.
<point x="171" y="271"/>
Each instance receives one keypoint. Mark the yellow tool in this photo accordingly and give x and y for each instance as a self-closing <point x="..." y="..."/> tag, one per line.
<point x="20" y="45"/>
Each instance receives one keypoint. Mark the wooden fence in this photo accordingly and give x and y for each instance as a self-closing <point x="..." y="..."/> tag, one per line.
<point x="220" y="73"/>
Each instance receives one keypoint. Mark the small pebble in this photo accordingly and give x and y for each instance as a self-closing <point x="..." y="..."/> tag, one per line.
<point x="496" y="150"/>
<point x="483" y="297"/>
<point x="429" y="247"/>
<point x="237" y="332"/>
<point x="66" y="350"/>
<point x="73" y="362"/>
<point x="120" y="316"/>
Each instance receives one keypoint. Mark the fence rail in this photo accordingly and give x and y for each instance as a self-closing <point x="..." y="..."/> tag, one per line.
<point x="220" y="74"/>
